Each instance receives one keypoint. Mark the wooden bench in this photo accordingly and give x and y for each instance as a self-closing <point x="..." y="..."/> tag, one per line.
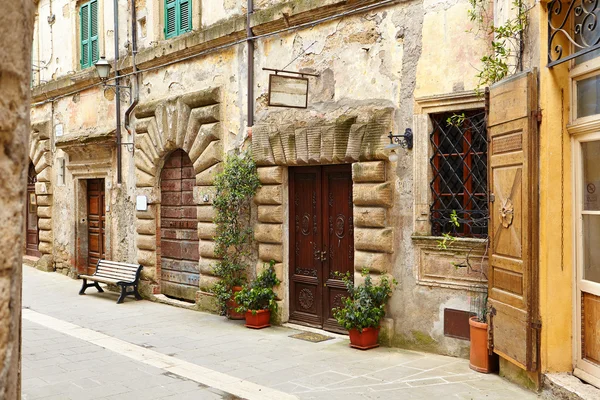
<point x="116" y="273"/>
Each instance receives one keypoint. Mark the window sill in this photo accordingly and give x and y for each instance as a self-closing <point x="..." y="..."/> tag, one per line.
<point x="435" y="266"/>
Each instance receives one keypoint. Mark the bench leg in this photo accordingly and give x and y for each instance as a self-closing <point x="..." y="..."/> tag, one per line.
<point x="87" y="285"/>
<point x="83" y="287"/>
<point x="123" y="294"/>
<point x="136" y="293"/>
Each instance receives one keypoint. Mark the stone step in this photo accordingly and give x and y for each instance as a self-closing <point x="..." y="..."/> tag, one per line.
<point x="564" y="386"/>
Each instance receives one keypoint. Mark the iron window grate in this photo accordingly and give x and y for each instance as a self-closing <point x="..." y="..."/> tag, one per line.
<point x="459" y="166"/>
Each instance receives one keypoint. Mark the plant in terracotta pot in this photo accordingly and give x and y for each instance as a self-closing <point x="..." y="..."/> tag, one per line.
<point x="363" y="309"/>
<point x="481" y="358"/>
<point x="257" y="300"/>
<point x="235" y="187"/>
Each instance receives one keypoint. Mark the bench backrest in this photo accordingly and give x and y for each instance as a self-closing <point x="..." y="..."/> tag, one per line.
<point x="118" y="270"/>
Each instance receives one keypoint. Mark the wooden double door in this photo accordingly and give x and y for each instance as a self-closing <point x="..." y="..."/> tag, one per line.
<point x="32" y="236"/>
<point x="96" y="216"/>
<point x="321" y="242"/>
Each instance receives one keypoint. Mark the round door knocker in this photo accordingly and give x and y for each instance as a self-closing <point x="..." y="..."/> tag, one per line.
<point x="507" y="213"/>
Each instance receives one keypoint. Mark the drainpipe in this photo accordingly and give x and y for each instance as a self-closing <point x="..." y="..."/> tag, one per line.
<point x="118" y="92"/>
<point x="135" y="87"/>
<point x="249" y="35"/>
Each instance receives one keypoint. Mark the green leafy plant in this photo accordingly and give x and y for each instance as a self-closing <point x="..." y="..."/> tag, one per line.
<point x="259" y="295"/>
<point x="235" y="187"/>
<point x="364" y="307"/>
<point x="505" y="53"/>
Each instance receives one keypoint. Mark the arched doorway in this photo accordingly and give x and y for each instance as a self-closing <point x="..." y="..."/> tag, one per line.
<point x="32" y="236"/>
<point x="179" y="241"/>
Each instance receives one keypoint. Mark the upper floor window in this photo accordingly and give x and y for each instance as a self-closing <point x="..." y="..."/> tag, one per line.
<point x="459" y="166"/>
<point x="178" y="17"/>
<point x="88" y="23"/>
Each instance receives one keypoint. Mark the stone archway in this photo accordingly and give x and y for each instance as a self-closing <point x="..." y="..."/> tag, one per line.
<point x="190" y="122"/>
<point x="41" y="158"/>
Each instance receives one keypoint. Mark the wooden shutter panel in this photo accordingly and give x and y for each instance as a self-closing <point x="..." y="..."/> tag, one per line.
<point x="185" y="16"/>
<point x="513" y="226"/>
<point x="170" y="18"/>
<point x="94" y="51"/>
<point x="84" y="18"/>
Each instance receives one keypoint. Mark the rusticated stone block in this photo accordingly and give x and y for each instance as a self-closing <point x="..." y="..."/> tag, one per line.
<point x="150" y="213"/>
<point x="357" y="131"/>
<point x="359" y="279"/>
<point x="207" y="177"/>
<point x="45" y="247"/>
<point x="145" y="226"/>
<point x="43" y="188"/>
<point x="301" y="146"/>
<point x="261" y="147"/>
<point x="45" y="224"/>
<point x="313" y="136"/>
<point x="270" y="175"/>
<point x="207" y="249"/>
<point x="373" y="171"/>
<point x="45" y="236"/>
<point x="146" y="242"/>
<point x="378" y="240"/>
<point x="276" y="146"/>
<point x="270" y="214"/>
<point x="374" y="262"/>
<point x="149" y="274"/>
<point x="373" y="195"/>
<point x="152" y="194"/>
<point x="341" y="136"/>
<point x="43" y="200"/>
<point x="209" y="157"/>
<point x="207" y="266"/>
<point x="204" y="195"/>
<point x="206" y="230"/>
<point x="278" y="267"/>
<point x="206" y="213"/>
<point x="144" y="179"/>
<point x="44" y="212"/>
<point x="370" y="217"/>
<point x="288" y="141"/>
<point x="269" y="194"/>
<point x="268" y="252"/>
<point x="268" y="233"/>
<point x="207" y="282"/>
<point x="147" y="258"/>
<point x="45" y="175"/>
<point x="327" y="134"/>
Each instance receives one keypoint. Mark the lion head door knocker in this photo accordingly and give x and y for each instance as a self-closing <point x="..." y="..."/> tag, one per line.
<point x="507" y="213"/>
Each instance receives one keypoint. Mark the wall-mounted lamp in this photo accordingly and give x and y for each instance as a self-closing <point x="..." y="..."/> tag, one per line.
<point x="398" y="141"/>
<point x="103" y="69"/>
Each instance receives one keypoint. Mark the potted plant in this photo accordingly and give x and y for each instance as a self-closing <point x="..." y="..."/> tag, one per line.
<point x="235" y="187"/>
<point x="257" y="301"/>
<point x="481" y="359"/>
<point x="363" y="309"/>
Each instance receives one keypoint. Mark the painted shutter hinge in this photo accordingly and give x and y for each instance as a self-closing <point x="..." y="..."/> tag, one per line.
<point x="492" y="197"/>
<point x="537" y="114"/>
<point x="537" y="325"/>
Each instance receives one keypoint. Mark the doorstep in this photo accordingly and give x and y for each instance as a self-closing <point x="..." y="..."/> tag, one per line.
<point x="304" y="328"/>
<point x="564" y="386"/>
<point x="30" y="260"/>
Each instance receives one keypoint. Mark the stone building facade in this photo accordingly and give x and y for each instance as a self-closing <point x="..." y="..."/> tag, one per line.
<point x="381" y="66"/>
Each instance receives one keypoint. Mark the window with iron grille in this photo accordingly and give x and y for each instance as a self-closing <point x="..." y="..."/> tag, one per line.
<point x="459" y="165"/>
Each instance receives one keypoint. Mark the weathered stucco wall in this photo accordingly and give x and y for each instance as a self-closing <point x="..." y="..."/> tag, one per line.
<point x="16" y="28"/>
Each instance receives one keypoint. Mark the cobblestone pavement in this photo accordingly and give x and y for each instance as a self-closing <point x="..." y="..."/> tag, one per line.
<point x="88" y="347"/>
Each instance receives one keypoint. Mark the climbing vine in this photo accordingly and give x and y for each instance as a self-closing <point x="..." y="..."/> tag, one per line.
<point x="505" y="55"/>
<point x="235" y="188"/>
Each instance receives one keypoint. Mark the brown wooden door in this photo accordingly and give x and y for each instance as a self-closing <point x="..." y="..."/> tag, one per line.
<point x="513" y="181"/>
<point x="322" y="239"/>
<point x="179" y="254"/>
<point x="32" y="236"/>
<point x="96" y="223"/>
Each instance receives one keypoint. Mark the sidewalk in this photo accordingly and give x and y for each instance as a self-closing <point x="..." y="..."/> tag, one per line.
<point x="88" y="347"/>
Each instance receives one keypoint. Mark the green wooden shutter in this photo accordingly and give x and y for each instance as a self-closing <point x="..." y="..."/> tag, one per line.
<point x="94" y="50"/>
<point x="84" y="17"/>
<point x="170" y="18"/>
<point x="185" y="16"/>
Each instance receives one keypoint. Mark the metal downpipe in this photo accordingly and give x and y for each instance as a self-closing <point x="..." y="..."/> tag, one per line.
<point x="118" y="92"/>
<point x="135" y="88"/>
<point x="250" y="35"/>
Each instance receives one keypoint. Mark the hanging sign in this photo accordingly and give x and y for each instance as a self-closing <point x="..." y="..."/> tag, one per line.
<point x="288" y="91"/>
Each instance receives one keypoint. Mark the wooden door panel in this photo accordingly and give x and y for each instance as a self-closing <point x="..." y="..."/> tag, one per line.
<point x="513" y="226"/>
<point x="96" y="223"/>
<point x="306" y="242"/>
<point x="179" y="244"/>
<point x="32" y="231"/>
<point x="338" y="240"/>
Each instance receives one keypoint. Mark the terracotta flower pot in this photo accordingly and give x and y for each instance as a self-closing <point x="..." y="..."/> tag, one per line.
<point x="367" y="339"/>
<point x="232" y="305"/>
<point x="259" y="320"/>
<point x="480" y="360"/>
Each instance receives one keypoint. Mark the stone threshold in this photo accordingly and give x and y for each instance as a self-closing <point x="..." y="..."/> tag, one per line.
<point x="565" y="386"/>
<point x="303" y="328"/>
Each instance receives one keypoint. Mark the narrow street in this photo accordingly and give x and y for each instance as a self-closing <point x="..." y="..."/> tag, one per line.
<point x="88" y="347"/>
